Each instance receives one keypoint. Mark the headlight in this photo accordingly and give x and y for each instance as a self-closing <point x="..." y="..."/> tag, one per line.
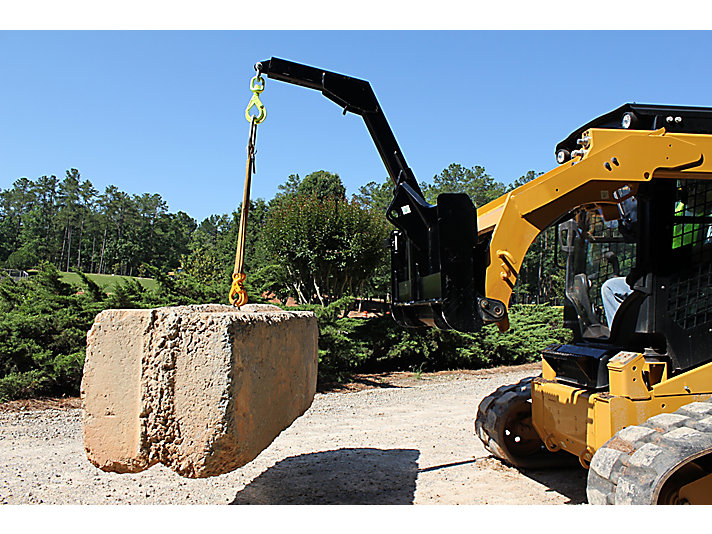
<point x="629" y="120"/>
<point x="562" y="156"/>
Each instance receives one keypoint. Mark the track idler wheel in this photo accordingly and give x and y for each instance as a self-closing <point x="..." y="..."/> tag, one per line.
<point x="504" y="424"/>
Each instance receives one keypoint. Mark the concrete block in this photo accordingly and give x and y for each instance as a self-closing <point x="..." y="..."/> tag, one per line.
<point x="201" y="389"/>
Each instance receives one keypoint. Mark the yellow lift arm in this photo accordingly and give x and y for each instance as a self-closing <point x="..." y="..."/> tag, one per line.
<point x="612" y="160"/>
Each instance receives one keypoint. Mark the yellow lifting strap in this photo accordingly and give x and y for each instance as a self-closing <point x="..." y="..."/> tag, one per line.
<point x="238" y="294"/>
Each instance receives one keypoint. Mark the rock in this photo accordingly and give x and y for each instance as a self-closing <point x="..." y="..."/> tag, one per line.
<point x="201" y="389"/>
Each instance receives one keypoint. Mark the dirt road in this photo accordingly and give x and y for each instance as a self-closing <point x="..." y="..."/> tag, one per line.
<point x="405" y="440"/>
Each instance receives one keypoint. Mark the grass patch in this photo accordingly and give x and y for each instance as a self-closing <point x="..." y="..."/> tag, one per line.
<point x="107" y="281"/>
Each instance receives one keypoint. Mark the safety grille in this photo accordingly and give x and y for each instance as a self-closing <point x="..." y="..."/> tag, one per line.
<point x="690" y="297"/>
<point x="692" y="219"/>
<point x="690" y="292"/>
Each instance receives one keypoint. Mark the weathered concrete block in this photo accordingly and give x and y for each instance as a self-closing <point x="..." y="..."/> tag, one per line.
<point x="201" y="389"/>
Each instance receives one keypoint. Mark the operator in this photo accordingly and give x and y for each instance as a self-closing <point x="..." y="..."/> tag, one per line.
<point x="613" y="292"/>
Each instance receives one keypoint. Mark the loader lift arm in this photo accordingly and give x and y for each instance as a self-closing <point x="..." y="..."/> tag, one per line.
<point x="613" y="159"/>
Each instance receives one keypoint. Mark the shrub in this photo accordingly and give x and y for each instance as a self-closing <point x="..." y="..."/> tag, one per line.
<point x="378" y="344"/>
<point x="44" y="321"/>
<point x="43" y="329"/>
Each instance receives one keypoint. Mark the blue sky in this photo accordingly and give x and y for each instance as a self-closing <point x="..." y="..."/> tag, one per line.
<point x="163" y="112"/>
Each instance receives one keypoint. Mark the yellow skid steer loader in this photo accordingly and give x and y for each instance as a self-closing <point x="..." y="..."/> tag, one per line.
<point x="631" y="197"/>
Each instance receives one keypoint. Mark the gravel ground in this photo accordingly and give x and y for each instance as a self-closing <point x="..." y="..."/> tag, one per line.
<point x="406" y="441"/>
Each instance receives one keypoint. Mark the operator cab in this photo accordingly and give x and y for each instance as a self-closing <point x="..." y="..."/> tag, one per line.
<point x="640" y="282"/>
<point x="638" y="278"/>
<point x="600" y="255"/>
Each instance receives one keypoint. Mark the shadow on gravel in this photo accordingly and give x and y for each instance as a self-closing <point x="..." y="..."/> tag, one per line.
<point x="356" y="383"/>
<point x="570" y="482"/>
<point x="342" y="476"/>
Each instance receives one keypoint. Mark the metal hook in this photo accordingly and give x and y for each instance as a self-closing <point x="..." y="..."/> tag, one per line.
<point x="255" y="102"/>
<point x="257" y="88"/>
<point x="257" y="85"/>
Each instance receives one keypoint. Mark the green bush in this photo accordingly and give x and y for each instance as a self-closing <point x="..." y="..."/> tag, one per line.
<point x="23" y="385"/>
<point x="43" y="328"/>
<point x="378" y="344"/>
<point x="44" y="322"/>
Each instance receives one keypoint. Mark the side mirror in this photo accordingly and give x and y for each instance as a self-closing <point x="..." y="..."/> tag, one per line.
<point x="612" y="258"/>
<point x="567" y="234"/>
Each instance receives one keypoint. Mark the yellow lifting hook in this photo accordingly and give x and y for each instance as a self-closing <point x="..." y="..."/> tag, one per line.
<point x="238" y="293"/>
<point x="257" y="85"/>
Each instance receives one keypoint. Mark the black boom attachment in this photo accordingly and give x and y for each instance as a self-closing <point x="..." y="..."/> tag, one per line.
<point x="437" y="264"/>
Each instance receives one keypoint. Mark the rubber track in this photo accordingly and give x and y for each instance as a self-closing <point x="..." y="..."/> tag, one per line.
<point x="490" y="414"/>
<point x="632" y="466"/>
<point x="493" y="407"/>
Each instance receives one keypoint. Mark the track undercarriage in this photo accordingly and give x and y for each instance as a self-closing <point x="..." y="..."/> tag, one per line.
<point x="667" y="459"/>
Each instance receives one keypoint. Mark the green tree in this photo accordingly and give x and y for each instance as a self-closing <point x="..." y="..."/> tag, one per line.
<point x="24" y="257"/>
<point x="323" y="185"/>
<point x="69" y="212"/>
<point x="150" y="208"/>
<point x="479" y="185"/>
<point x="375" y="196"/>
<point x="542" y="275"/>
<point x="327" y="248"/>
<point x="40" y="233"/>
<point x="173" y="234"/>
<point x="290" y="187"/>
<point x="528" y="177"/>
<point x="14" y="203"/>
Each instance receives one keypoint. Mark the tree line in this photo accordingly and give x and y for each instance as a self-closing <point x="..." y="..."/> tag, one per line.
<point x="310" y="242"/>
<point x="71" y="225"/>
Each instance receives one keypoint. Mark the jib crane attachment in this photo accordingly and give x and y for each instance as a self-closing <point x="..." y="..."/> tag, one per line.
<point x="437" y="261"/>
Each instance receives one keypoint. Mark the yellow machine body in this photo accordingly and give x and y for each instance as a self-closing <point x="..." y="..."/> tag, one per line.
<point x="565" y="416"/>
<point x="580" y="421"/>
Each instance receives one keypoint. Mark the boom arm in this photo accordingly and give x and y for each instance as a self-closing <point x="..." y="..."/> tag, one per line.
<point x="437" y="265"/>
<point x="352" y="95"/>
